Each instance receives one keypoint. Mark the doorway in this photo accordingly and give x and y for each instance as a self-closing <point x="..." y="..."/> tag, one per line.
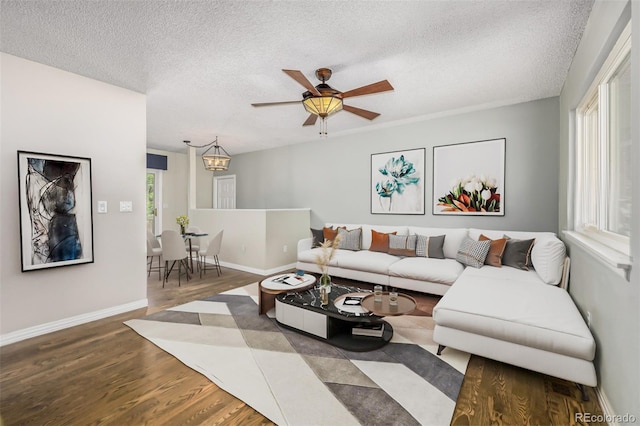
<point x="154" y="201"/>
<point x="224" y="192"/>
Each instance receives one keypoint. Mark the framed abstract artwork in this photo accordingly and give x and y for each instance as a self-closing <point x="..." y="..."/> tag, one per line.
<point x="56" y="216"/>
<point x="397" y="182"/>
<point x="468" y="178"/>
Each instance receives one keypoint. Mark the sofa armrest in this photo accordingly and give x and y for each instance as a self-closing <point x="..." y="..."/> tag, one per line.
<point x="305" y="244"/>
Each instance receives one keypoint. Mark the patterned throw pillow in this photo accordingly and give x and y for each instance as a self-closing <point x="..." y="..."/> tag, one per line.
<point x="430" y="246"/>
<point x="402" y="245"/>
<point x="350" y="240"/>
<point x="496" y="250"/>
<point x="380" y="241"/>
<point x="473" y="253"/>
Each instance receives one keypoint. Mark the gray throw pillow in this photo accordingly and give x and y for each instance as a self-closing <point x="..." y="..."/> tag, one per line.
<point x="402" y="245"/>
<point x="318" y="237"/>
<point x="350" y="240"/>
<point x="517" y="253"/>
<point x="473" y="253"/>
<point x="430" y="246"/>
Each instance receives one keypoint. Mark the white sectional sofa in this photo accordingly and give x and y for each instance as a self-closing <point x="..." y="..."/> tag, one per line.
<point x="521" y="317"/>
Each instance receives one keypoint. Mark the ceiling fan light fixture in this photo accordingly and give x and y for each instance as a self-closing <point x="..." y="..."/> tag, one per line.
<point x="322" y="106"/>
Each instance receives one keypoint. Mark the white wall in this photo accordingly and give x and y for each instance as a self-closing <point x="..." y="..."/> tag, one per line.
<point x="174" y="188"/>
<point x="44" y="109"/>
<point x="613" y="301"/>
<point x="255" y="240"/>
<point x="332" y="176"/>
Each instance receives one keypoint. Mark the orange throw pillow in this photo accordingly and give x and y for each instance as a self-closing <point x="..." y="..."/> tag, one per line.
<point x="330" y="233"/>
<point x="494" y="257"/>
<point x="380" y="241"/>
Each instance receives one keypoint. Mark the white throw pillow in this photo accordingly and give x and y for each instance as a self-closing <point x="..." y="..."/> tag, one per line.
<point x="547" y="257"/>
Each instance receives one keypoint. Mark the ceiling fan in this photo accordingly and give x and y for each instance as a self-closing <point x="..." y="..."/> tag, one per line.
<point x="323" y="100"/>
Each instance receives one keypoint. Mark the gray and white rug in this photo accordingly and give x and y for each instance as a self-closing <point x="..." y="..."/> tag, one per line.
<point x="293" y="379"/>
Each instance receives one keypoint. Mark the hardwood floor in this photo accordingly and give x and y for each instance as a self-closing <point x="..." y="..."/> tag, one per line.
<point x="104" y="373"/>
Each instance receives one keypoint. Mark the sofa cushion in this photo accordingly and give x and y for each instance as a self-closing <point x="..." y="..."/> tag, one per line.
<point x="402" y="245"/>
<point x="430" y="246"/>
<point x="453" y="238"/>
<point x="443" y="271"/>
<point x="517" y="253"/>
<point x="547" y="255"/>
<point x="366" y="231"/>
<point x="318" y="237"/>
<point x="310" y="256"/>
<point x="473" y="253"/>
<point x="380" y="241"/>
<point x="496" y="250"/>
<point x="350" y="240"/>
<point x="329" y="233"/>
<point x="366" y="260"/>
<point x="515" y="306"/>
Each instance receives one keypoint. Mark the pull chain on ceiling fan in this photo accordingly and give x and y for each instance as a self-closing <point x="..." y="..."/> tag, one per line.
<point x="323" y="100"/>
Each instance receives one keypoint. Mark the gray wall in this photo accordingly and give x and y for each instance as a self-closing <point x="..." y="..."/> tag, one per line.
<point x="612" y="301"/>
<point x="332" y="176"/>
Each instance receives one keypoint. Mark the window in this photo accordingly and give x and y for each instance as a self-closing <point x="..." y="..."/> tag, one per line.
<point x="603" y="152"/>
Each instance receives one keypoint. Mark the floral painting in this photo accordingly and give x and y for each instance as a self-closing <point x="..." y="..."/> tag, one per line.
<point x="397" y="182"/>
<point x="468" y="178"/>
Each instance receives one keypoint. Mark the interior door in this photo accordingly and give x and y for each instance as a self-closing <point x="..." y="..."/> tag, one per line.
<point x="224" y="192"/>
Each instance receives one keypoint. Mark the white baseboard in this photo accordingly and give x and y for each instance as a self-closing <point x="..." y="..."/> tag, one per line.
<point x="609" y="416"/>
<point x="257" y="271"/>
<point x="38" y="330"/>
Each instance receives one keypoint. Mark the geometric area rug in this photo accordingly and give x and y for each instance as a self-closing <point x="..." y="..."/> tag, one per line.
<point x="293" y="379"/>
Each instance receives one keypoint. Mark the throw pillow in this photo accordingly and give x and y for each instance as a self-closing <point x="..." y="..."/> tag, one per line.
<point x="402" y="245"/>
<point x="473" y="253"/>
<point x="430" y="246"/>
<point x="318" y="237"/>
<point x="380" y="241"/>
<point x="496" y="250"/>
<point x="350" y="240"/>
<point x="517" y="253"/>
<point x="330" y="233"/>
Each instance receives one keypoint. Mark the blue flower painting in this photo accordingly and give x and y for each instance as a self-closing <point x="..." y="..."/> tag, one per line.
<point x="397" y="182"/>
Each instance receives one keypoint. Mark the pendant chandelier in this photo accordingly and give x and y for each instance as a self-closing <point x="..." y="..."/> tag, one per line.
<point x="218" y="160"/>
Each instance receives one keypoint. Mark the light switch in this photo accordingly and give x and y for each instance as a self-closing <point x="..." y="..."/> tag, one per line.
<point x="102" y="206"/>
<point x="126" y="206"/>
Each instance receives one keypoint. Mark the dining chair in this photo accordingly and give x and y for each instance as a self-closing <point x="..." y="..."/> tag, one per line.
<point x="213" y="250"/>
<point x="153" y="249"/>
<point x="174" y="250"/>
<point x="193" y="243"/>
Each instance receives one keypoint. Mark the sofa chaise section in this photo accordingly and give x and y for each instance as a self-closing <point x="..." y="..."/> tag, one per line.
<point x="514" y="318"/>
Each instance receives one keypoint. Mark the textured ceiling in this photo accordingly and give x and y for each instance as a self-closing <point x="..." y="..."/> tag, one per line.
<point x="202" y="63"/>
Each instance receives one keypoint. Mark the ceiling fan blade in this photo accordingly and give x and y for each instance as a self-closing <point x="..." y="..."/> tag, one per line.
<point x="311" y="120"/>
<point x="300" y="78"/>
<point x="381" y="86"/>
<point x="369" y="115"/>
<point x="275" y="103"/>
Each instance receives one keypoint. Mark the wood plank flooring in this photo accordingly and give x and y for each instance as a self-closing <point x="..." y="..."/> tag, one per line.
<point x="104" y="373"/>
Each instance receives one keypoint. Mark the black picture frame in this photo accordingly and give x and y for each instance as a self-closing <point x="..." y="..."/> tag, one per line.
<point x="56" y="210"/>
